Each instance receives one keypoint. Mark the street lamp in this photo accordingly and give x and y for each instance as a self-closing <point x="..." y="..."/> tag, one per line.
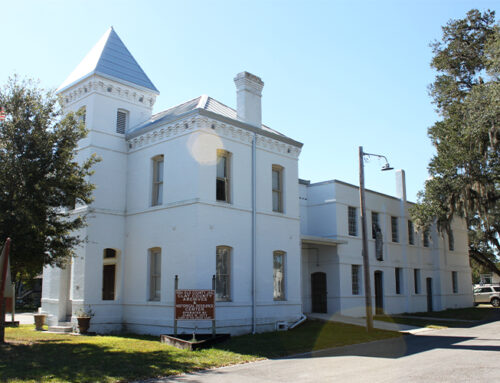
<point x="366" y="262"/>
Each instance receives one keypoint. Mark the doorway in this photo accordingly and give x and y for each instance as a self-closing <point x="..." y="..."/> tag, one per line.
<point x="429" y="294"/>
<point x="379" y="293"/>
<point x="318" y="292"/>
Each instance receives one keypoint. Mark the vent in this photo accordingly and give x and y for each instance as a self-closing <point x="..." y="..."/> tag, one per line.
<point x="121" y="121"/>
<point x="281" y="326"/>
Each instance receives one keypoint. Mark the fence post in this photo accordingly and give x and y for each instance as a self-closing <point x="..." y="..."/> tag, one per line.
<point x="213" y="320"/>
<point x="176" y="286"/>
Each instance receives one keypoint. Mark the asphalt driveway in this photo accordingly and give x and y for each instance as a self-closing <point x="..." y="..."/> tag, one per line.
<point x="451" y="355"/>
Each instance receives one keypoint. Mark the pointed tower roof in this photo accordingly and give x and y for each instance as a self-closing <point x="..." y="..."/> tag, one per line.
<point x="110" y="58"/>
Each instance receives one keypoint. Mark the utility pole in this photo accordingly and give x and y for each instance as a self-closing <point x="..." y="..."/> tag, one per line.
<point x="366" y="260"/>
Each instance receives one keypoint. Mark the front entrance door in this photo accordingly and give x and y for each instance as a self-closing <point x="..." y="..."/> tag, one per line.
<point x="429" y="294"/>
<point x="379" y="293"/>
<point x="318" y="292"/>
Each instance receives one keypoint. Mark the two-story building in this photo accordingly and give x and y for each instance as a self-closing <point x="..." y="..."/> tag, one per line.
<point x="202" y="190"/>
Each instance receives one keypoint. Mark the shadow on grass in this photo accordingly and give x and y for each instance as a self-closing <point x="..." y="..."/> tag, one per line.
<point x="463" y="318"/>
<point x="310" y="336"/>
<point x="483" y="313"/>
<point x="48" y="360"/>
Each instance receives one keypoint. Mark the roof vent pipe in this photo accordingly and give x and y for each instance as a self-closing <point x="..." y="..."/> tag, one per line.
<point x="248" y="98"/>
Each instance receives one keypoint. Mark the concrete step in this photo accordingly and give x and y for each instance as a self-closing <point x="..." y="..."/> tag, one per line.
<point x="62" y="327"/>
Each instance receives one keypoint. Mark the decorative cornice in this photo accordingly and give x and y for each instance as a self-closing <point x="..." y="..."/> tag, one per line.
<point x="209" y="125"/>
<point x="107" y="87"/>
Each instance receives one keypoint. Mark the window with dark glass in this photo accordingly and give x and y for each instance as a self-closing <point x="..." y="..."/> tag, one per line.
<point x="355" y="279"/>
<point x="416" y="280"/>
<point x="394" y="229"/>
<point x="352" y="221"/>
<point x="375" y="224"/>
<point x="222" y="181"/>
<point x="398" y="274"/>
<point x="426" y="238"/>
<point x="411" y="233"/>
<point x="109" y="274"/>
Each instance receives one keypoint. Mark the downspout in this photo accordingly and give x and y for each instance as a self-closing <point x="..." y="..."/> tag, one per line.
<point x="254" y="229"/>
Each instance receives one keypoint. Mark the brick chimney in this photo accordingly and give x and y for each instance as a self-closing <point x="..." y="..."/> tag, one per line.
<point x="249" y="94"/>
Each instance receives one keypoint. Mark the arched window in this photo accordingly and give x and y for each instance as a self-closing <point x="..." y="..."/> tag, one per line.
<point x="110" y="259"/>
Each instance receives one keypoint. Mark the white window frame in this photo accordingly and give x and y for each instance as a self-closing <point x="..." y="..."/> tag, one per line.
<point x="426" y="238"/>
<point x="106" y="261"/>
<point x="352" y="221"/>
<point x="355" y="285"/>
<point x="395" y="229"/>
<point x="411" y="233"/>
<point x="224" y="178"/>
<point x="278" y="191"/>
<point x="223" y="280"/>
<point x="154" y="266"/>
<point x="157" y="182"/>
<point x="82" y="118"/>
<point x="279" y="284"/>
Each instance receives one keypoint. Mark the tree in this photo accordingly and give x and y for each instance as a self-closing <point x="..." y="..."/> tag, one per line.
<point x="465" y="172"/>
<point x="40" y="178"/>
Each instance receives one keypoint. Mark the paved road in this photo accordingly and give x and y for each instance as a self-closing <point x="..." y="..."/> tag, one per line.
<point x="450" y="355"/>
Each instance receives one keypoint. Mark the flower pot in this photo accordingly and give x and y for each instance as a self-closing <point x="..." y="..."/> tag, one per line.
<point x="39" y="321"/>
<point x="83" y="324"/>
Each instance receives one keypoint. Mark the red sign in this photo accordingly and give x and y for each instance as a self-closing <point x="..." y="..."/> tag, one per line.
<point x="195" y="304"/>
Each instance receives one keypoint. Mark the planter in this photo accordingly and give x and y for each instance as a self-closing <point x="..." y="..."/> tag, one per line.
<point x="83" y="324"/>
<point x="39" y="321"/>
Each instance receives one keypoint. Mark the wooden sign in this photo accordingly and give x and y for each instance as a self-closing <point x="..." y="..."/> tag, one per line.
<point x="195" y="304"/>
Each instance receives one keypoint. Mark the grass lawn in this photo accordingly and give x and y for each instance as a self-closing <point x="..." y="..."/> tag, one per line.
<point x="483" y="312"/>
<point x="438" y="319"/>
<point x="430" y="323"/>
<point x="31" y="356"/>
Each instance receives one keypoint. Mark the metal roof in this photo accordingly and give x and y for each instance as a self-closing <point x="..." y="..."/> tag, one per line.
<point x="202" y="102"/>
<point x="110" y="58"/>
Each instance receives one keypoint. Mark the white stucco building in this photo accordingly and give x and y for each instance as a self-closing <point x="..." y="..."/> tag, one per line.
<point x="202" y="189"/>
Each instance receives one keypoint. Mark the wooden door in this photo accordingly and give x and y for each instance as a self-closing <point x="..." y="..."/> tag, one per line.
<point x="318" y="292"/>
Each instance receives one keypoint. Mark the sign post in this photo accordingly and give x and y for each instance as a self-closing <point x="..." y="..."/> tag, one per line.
<point x="4" y="283"/>
<point x="194" y="305"/>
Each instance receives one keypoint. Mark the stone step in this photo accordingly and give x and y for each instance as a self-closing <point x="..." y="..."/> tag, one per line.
<point x="61" y="327"/>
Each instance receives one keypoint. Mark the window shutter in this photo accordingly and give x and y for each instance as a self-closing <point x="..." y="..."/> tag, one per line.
<point x="121" y="121"/>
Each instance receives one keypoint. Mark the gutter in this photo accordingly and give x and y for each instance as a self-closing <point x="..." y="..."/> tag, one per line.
<point x="254" y="229"/>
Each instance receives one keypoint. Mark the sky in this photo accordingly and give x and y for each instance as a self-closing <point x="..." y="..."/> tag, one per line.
<point x="338" y="74"/>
